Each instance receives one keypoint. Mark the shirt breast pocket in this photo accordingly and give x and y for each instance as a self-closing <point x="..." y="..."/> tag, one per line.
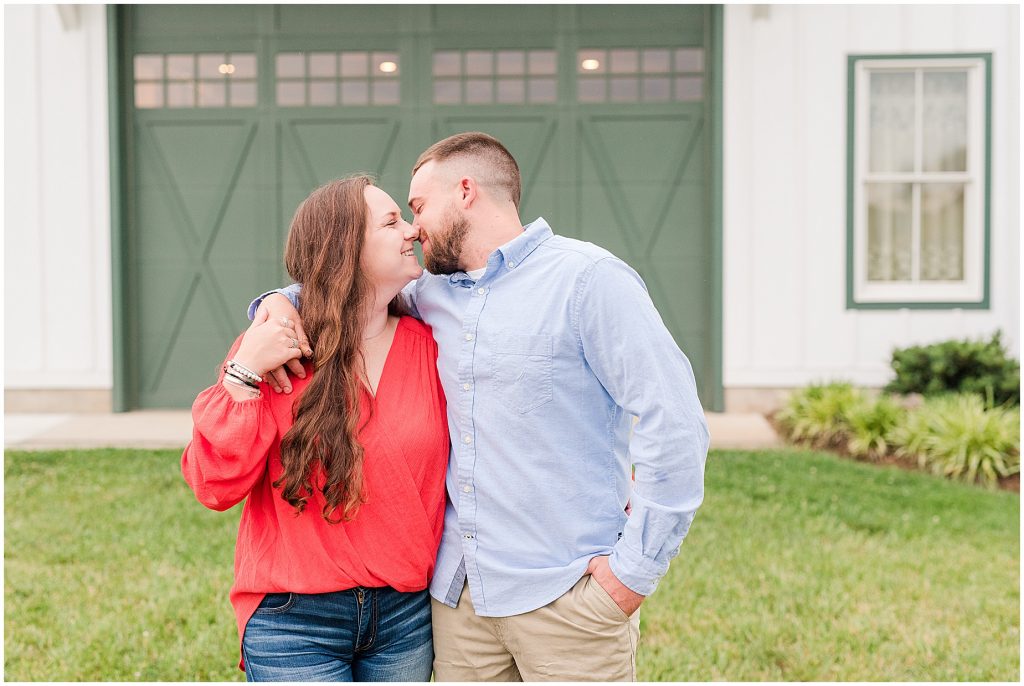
<point x="521" y="370"/>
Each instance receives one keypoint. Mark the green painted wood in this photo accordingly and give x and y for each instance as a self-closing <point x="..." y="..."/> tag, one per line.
<point x="212" y="191"/>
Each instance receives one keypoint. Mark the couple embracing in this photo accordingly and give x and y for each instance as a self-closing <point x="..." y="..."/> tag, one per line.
<point x="442" y="470"/>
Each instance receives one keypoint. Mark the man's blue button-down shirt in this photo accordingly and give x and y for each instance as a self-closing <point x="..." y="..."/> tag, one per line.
<point x="545" y="360"/>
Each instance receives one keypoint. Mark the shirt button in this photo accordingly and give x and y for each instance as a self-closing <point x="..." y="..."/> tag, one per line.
<point x="467" y="439"/>
<point x="466" y="386"/>
<point x="468" y="537"/>
<point x="467" y="489"/>
<point x="511" y="265"/>
<point x="481" y="291"/>
<point x="469" y="336"/>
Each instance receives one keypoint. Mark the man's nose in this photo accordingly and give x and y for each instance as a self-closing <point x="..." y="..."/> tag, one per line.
<point x="411" y="232"/>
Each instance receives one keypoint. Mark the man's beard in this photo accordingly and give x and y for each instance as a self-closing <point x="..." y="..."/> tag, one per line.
<point x="446" y="244"/>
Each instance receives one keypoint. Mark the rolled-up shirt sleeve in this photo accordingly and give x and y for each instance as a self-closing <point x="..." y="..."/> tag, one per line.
<point x="636" y="359"/>
<point x="292" y="293"/>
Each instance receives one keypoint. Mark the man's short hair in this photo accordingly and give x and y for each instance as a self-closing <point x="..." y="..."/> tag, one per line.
<point x="484" y="158"/>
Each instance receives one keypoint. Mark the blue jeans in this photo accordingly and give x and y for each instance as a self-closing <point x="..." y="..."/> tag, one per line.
<point x="362" y="634"/>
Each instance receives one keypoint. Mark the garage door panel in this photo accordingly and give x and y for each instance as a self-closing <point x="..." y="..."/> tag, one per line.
<point x="313" y="152"/>
<point x="195" y="168"/>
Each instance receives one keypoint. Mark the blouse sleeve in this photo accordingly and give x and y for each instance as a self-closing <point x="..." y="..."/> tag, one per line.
<point x="231" y="441"/>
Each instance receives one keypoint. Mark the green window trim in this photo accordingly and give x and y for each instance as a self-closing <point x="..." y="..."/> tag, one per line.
<point x="851" y="179"/>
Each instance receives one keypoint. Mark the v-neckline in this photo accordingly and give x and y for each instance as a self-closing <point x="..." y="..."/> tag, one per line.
<point x="383" y="370"/>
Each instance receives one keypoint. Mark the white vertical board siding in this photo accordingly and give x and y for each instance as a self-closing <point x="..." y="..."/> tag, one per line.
<point x="785" y="317"/>
<point x="57" y="282"/>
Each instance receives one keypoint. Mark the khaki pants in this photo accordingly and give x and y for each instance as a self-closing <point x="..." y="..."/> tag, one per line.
<point x="581" y="636"/>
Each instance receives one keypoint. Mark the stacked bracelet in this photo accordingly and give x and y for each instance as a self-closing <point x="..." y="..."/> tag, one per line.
<point x="236" y="380"/>
<point x="243" y="371"/>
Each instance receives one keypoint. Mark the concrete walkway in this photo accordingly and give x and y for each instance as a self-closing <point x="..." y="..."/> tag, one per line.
<point x="173" y="429"/>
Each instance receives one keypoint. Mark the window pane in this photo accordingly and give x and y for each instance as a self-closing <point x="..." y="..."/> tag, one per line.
<point x="212" y="93"/>
<point x="479" y="91"/>
<point x="591" y="62"/>
<point x="942" y="232"/>
<point x="542" y="62"/>
<point x="478" y="63"/>
<point x="243" y="93"/>
<point x="511" y="62"/>
<point x="447" y="63"/>
<point x="656" y="61"/>
<point x="149" y="95"/>
<point x="592" y="89"/>
<point x="690" y="59"/>
<point x="657" y="89"/>
<point x="291" y="93"/>
<point x="291" y="65"/>
<point x="542" y="90"/>
<point x="891" y="122"/>
<point x="323" y="64"/>
<point x="210" y="66"/>
<point x="385" y="92"/>
<point x="385" y="64"/>
<point x="149" y="67"/>
<point x="945" y="121"/>
<point x="323" y="93"/>
<point x="624" y="61"/>
<point x="625" y="89"/>
<point x="689" y="88"/>
<point x="889" y="217"/>
<point x="355" y="64"/>
<point x="355" y="92"/>
<point x="245" y="65"/>
<point x="447" y="92"/>
<point x="511" y="90"/>
<point x="180" y="66"/>
<point x="181" y="94"/>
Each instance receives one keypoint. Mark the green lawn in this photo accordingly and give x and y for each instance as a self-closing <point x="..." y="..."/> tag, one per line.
<point x="799" y="566"/>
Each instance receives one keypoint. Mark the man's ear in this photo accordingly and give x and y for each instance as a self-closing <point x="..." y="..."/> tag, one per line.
<point x="469" y="191"/>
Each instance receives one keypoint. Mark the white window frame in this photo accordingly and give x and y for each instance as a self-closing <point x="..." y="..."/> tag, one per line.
<point x="972" y="288"/>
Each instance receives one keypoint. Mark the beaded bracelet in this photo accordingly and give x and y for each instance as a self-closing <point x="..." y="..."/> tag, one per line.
<point x="254" y="391"/>
<point x="244" y="371"/>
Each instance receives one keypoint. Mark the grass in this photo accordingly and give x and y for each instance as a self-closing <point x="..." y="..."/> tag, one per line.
<point x="799" y="566"/>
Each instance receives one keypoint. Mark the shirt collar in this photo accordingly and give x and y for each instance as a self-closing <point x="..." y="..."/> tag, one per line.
<point x="520" y="247"/>
<point x="512" y="253"/>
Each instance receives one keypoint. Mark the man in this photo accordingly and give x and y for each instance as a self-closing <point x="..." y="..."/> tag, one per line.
<point x="548" y="348"/>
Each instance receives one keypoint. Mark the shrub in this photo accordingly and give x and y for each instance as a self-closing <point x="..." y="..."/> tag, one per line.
<point x="981" y="367"/>
<point x="818" y="415"/>
<point x="957" y="436"/>
<point x="871" y="425"/>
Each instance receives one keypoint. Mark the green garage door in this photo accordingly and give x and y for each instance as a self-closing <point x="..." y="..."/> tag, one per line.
<point x="234" y="114"/>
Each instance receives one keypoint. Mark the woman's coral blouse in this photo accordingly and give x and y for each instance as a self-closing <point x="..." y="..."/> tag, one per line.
<point x="393" y="538"/>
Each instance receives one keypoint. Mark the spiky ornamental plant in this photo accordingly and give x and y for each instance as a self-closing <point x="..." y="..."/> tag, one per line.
<point x="959" y="437"/>
<point x="818" y="415"/>
<point x="871" y="424"/>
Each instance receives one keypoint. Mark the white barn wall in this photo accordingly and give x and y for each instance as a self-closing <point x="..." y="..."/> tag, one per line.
<point x="786" y="322"/>
<point x="56" y="201"/>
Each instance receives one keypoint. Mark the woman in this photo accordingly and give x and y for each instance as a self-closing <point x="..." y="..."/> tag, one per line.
<point x="344" y="478"/>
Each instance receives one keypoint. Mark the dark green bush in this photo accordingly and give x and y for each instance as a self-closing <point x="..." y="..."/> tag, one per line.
<point x="981" y="367"/>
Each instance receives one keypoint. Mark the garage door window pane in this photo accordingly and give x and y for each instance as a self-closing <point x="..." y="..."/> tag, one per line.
<point x="323" y="93"/>
<point x="291" y="93"/>
<point x="243" y="93"/>
<point x="149" y="67"/>
<point x="212" y="94"/>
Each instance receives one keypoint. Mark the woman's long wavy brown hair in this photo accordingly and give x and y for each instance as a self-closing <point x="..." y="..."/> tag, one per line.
<point x="322" y="253"/>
